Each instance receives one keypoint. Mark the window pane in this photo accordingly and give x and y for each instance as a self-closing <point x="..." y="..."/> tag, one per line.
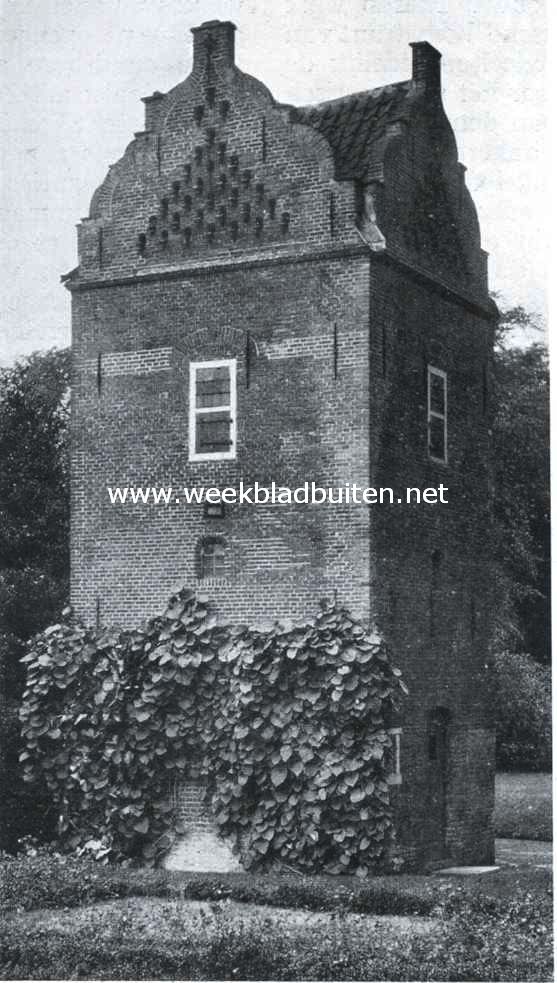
<point x="218" y="561"/>
<point x="437" y="393"/>
<point x="212" y="432"/>
<point x="437" y="437"/>
<point x="213" y="386"/>
<point x="212" y="560"/>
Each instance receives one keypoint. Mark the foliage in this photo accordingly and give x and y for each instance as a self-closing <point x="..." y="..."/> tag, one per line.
<point x="523" y="713"/>
<point x="34" y="525"/>
<point x="304" y="738"/>
<point x="24" y="810"/>
<point x="289" y="723"/>
<point x="45" y="878"/>
<point x="34" y="501"/>
<point x="521" y="502"/>
<point x="470" y="939"/>
<point x="523" y="806"/>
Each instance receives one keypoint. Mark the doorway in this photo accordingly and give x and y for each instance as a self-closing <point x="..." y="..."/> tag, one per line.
<point x="438" y="753"/>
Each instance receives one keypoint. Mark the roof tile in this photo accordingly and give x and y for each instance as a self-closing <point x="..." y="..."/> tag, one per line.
<point x="355" y="124"/>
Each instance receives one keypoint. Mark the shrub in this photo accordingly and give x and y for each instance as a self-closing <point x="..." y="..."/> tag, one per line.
<point x="290" y="723"/>
<point x="523" y="713"/>
<point x="25" y="810"/>
<point x="47" y="879"/>
<point x="307" y="892"/>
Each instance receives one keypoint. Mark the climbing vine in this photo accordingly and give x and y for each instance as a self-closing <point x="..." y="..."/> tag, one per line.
<point x="288" y="723"/>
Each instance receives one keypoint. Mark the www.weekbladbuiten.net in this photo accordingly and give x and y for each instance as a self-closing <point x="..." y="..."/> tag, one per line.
<point x="253" y="493"/>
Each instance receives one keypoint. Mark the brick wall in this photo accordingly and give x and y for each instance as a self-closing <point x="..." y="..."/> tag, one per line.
<point x="432" y="563"/>
<point x="199" y="849"/>
<point x="297" y="421"/>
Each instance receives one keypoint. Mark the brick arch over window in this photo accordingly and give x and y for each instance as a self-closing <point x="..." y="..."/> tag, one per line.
<point x="211" y="557"/>
<point x="222" y="339"/>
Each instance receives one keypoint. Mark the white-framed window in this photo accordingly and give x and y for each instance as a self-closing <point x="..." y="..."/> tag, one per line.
<point x="395" y="775"/>
<point x="437" y="414"/>
<point x="213" y="410"/>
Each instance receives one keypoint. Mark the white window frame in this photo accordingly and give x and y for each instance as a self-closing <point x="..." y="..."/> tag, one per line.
<point x="195" y="410"/>
<point x="435" y="415"/>
<point x="395" y="775"/>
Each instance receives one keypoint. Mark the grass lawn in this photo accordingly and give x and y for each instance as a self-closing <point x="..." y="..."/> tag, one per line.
<point x="523" y="806"/>
<point x="70" y="919"/>
<point x="148" y="938"/>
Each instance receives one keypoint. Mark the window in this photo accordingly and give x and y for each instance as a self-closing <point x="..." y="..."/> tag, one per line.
<point x="435" y="582"/>
<point x="213" y="410"/>
<point x="395" y="776"/>
<point x="437" y="413"/>
<point x="211" y="558"/>
<point x="437" y="734"/>
<point x="213" y="510"/>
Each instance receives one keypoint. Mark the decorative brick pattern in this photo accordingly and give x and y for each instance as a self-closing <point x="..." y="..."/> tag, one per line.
<point x="131" y="363"/>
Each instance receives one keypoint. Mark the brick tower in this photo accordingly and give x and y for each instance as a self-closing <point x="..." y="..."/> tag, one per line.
<point x="286" y="294"/>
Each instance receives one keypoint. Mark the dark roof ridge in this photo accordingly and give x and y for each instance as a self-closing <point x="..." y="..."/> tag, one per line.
<point x="376" y="91"/>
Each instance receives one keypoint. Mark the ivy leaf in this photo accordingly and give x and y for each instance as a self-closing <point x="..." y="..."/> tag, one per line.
<point x="175" y="609"/>
<point x="350" y="654"/>
<point x="278" y="775"/>
<point x="142" y="826"/>
<point x="365" y="656"/>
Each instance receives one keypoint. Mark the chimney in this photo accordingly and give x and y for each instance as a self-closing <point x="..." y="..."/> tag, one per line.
<point x="426" y="67"/>
<point x="213" y="44"/>
<point x="152" y="106"/>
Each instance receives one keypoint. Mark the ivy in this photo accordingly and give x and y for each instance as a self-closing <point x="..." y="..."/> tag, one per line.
<point x="289" y="723"/>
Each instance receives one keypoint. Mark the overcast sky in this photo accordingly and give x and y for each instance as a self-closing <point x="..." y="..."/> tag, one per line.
<point x="75" y="70"/>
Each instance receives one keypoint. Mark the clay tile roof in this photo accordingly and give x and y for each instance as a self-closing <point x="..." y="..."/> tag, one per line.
<point x="355" y="124"/>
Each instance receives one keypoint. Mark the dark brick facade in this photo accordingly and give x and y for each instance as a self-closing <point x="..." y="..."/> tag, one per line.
<point x="334" y="252"/>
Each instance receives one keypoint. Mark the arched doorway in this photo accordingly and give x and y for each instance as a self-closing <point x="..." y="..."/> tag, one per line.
<point x="438" y="754"/>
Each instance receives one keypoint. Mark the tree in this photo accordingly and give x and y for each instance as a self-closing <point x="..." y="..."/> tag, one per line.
<point x="34" y="498"/>
<point x="34" y="551"/>
<point x="522" y="713"/>
<point x="521" y="505"/>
